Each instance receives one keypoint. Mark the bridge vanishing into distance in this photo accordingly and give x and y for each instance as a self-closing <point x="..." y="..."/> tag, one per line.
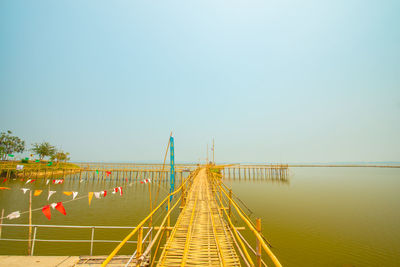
<point x="203" y="234"/>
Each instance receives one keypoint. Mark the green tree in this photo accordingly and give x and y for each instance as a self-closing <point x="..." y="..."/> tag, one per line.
<point x="10" y="144"/>
<point x="60" y="156"/>
<point x="43" y="150"/>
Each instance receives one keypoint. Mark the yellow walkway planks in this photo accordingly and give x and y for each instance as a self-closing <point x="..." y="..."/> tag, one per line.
<point x="200" y="236"/>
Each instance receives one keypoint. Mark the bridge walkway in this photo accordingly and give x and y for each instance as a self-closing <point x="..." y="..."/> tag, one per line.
<point x="200" y="236"/>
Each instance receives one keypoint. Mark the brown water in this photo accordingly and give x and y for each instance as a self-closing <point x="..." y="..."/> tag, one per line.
<point x="320" y="217"/>
<point x="329" y="216"/>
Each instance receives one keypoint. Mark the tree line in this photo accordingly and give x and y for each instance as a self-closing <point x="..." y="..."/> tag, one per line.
<point x="10" y="144"/>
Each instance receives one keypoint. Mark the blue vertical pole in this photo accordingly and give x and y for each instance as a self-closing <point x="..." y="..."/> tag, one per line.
<point x="172" y="163"/>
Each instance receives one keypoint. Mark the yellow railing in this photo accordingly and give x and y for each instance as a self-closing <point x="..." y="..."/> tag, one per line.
<point x="160" y="228"/>
<point x="220" y="192"/>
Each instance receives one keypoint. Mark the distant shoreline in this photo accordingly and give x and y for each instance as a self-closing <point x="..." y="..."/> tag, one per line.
<point x="343" y="165"/>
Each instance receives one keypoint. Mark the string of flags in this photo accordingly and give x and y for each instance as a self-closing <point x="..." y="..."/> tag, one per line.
<point x="59" y="206"/>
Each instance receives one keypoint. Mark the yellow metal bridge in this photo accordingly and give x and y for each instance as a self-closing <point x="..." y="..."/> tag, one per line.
<point x="203" y="235"/>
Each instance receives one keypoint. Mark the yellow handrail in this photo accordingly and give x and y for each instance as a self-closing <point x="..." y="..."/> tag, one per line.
<point x="120" y="245"/>
<point x="249" y="224"/>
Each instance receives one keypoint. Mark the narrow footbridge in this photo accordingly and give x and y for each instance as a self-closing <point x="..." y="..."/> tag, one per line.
<point x="203" y="233"/>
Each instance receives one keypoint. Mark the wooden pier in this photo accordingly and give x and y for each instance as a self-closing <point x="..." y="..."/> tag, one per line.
<point x="200" y="236"/>
<point x="204" y="233"/>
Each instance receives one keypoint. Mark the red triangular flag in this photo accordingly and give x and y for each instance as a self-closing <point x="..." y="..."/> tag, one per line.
<point x="105" y="193"/>
<point x="33" y="180"/>
<point x="120" y="190"/>
<point x="60" y="208"/>
<point x="46" y="211"/>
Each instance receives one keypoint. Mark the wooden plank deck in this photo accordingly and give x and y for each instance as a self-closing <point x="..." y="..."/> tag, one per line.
<point x="200" y="236"/>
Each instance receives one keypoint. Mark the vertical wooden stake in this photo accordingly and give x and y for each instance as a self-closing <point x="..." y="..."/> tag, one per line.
<point x="1" y="220"/>
<point x="30" y="223"/>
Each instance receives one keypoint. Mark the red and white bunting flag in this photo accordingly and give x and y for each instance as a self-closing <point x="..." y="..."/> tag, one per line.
<point x="25" y="189"/>
<point x="104" y="193"/>
<point x="50" y="194"/>
<point x="13" y="215"/>
<point x="116" y="189"/>
<point x="30" y="181"/>
<point x="46" y="211"/>
<point x="61" y="208"/>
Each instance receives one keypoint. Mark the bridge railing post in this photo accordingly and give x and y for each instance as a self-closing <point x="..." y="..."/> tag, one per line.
<point x="183" y="196"/>
<point x="168" y="219"/>
<point x="91" y="242"/>
<point x="230" y="197"/>
<point x="258" y="245"/>
<point x="139" y="243"/>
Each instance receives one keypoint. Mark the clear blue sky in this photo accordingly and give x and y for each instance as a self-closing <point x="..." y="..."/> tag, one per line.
<point x="280" y="81"/>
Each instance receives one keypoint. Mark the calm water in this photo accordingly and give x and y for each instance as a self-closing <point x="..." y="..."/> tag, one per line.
<point x="329" y="216"/>
<point x="320" y="217"/>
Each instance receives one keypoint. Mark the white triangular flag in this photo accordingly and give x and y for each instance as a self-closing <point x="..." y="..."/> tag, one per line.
<point x="53" y="205"/>
<point x="25" y="189"/>
<point x="74" y="194"/>
<point x="97" y="194"/>
<point x="13" y="215"/>
<point x="50" y="194"/>
<point x="47" y="182"/>
<point x="28" y="181"/>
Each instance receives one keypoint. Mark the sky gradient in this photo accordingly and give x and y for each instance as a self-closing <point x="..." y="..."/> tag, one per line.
<point x="271" y="81"/>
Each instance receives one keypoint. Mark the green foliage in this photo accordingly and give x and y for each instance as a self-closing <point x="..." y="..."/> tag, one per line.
<point x="60" y="156"/>
<point x="10" y="144"/>
<point x="24" y="161"/>
<point x="43" y="150"/>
